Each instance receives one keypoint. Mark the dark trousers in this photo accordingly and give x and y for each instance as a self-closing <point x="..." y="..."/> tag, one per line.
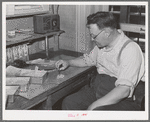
<point x="87" y="95"/>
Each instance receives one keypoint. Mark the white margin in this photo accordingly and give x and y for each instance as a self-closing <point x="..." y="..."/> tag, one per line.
<point x="63" y="115"/>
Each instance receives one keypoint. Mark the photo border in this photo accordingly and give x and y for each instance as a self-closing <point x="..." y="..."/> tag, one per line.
<point x="63" y="112"/>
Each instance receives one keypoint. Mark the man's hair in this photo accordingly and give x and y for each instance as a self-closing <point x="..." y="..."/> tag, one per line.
<point x="102" y="19"/>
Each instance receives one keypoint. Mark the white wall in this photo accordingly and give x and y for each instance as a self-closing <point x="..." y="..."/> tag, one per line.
<point x="73" y="22"/>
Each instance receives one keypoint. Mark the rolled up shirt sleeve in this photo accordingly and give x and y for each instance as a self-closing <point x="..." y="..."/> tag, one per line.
<point x="129" y="69"/>
<point x="90" y="59"/>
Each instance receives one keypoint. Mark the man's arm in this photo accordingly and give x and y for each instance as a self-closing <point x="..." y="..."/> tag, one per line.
<point x="78" y="62"/>
<point x="63" y="64"/>
<point x="114" y="96"/>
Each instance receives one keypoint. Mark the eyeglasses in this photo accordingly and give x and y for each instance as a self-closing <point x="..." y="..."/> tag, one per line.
<point x="94" y="37"/>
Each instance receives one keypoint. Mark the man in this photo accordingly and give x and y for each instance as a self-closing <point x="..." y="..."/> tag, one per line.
<point x="120" y="66"/>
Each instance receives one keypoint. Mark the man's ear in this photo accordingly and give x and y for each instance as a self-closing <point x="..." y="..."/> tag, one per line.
<point x="107" y="32"/>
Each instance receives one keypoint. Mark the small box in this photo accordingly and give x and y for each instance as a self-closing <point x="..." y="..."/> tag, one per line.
<point x="37" y="77"/>
<point x="9" y="55"/>
<point x="15" y="52"/>
<point x="22" y="82"/>
<point x="11" y="34"/>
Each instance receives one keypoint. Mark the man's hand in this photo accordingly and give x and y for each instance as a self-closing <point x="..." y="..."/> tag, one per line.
<point x="92" y="106"/>
<point x="61" y="64"/>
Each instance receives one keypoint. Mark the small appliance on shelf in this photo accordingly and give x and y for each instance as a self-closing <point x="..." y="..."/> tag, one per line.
<point x="46" y="23"/>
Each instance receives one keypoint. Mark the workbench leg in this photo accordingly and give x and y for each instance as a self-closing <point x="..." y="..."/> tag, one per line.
<point x="47" y="105"/>
<point x="56" y="42"/>
<point x="47" y="47"/>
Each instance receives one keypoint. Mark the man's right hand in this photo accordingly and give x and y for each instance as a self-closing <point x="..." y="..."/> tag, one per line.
<point x="61" y="64"/>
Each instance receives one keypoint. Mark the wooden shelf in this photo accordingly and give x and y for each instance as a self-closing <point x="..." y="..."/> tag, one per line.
<point x="25" y="15"/>
<point x="135" y="28"/>
<point x="115" y="12"/>
<point x="137" y="14"/>
<point x="33" y="37"/>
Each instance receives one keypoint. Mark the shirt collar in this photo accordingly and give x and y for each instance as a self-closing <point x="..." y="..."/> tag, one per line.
<point x="116" y="40"/>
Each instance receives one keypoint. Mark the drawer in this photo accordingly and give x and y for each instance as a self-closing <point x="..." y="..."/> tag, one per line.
<point x="72" y="85"/>
<point x="68" y="89"/>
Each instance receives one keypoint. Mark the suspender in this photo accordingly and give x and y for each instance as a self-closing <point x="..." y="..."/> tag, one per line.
<point x="124" y="45"/>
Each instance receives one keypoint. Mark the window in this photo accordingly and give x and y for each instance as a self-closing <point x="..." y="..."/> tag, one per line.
<point x="132" y="22"/>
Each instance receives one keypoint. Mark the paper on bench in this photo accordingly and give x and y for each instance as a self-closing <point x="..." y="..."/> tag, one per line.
<point x="22" y="82"/>
<point x="40" y="61"/>
<point x="12" y="71"/>
<point x="11" y="91"/>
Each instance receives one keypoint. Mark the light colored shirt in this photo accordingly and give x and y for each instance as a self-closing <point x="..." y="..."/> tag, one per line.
<point x="130" y="69"/>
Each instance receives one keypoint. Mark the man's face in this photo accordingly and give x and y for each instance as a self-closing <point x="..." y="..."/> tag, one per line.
<point x="98" y="35"/>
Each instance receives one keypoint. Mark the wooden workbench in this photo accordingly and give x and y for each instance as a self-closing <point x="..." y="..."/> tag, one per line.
<point x="52" y="89"/>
